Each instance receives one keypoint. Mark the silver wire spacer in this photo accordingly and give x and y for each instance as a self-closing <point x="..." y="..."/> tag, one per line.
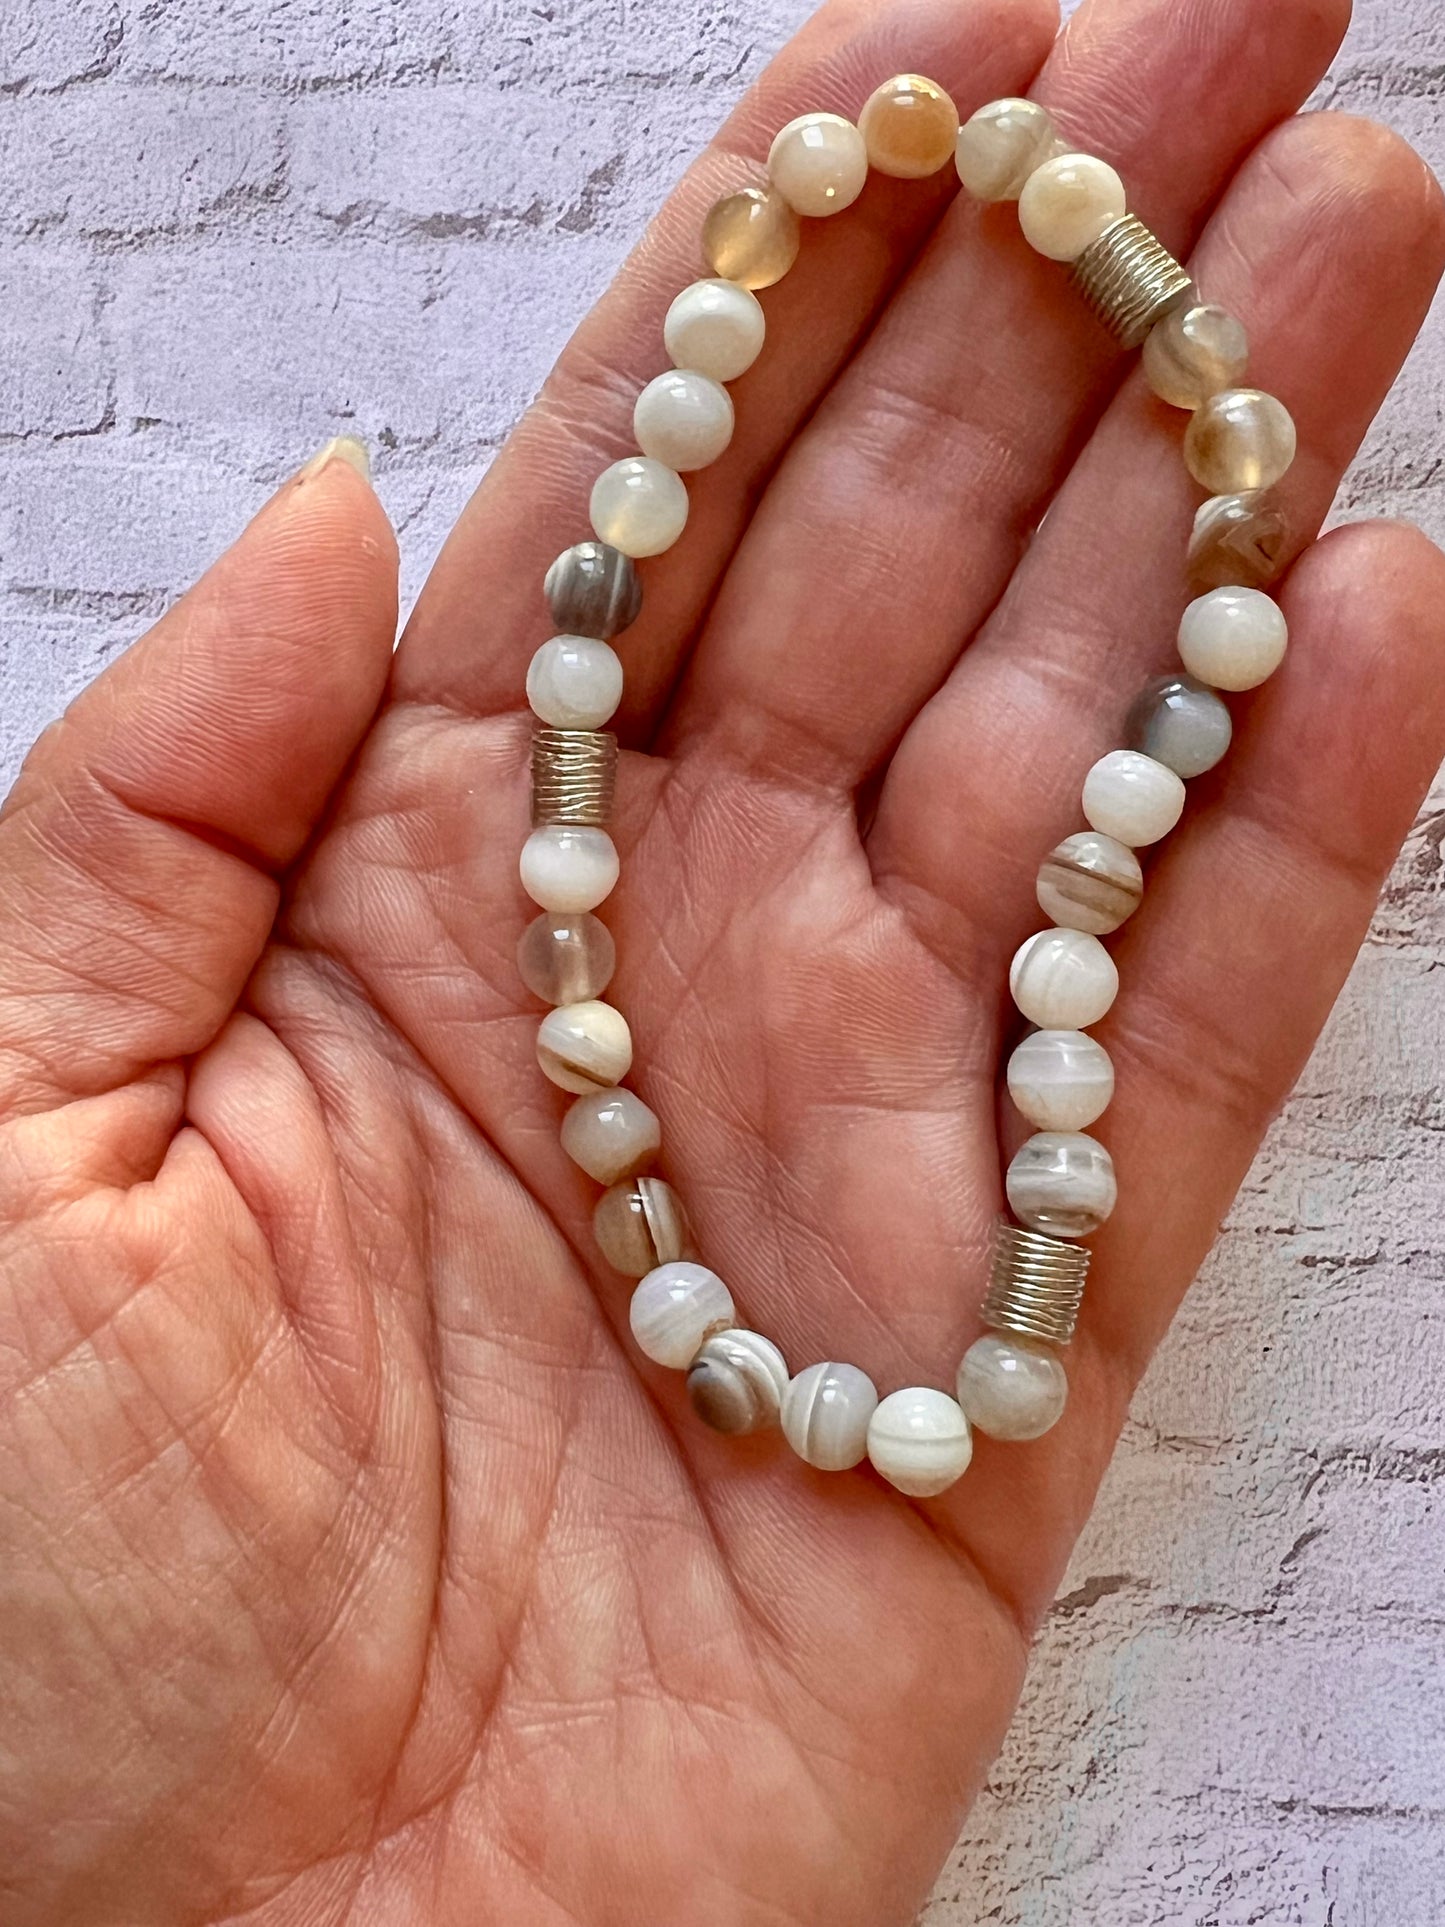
<point x="1037" y="1284"/>
<point x="1130" y="280"/>
<point x="574" y="776"/>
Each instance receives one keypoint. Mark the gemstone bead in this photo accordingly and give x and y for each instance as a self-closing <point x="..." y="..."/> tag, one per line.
<point x="715" y="327"/>
<point x="737" y="1382"/>
<point x="574" y="682"/>
<point x="826" y="1410"/>
<point x="1090" y="882"/>
<point x="751" y="237"/>
<point x="593" y="590"/>
<point x="566" y="959"/>
<point x="919" y="1441"/>
<point x="1063" y="980"/>
<point x="1011" y="1388"/>
<point x="1238" y="541"/>
<point x="1060" y="1080"/>
<point x="1194" y="353"/>
<point x="640" y="1225"/>
<point x="909" y="127"/>
<point x="1001" y="145"/>
<point x="569" y="867"/>
<point x="675" y="1309"/>
<point x="1062" y="1183"/>
<point x="683" y="420"/>
<point x="1132" y="798"/>
<point x="1233" y="638"/>
<point x="584" y="1047"/>
<point x="818" y="163"/>
<point x="639" y="506"/>
<point x="611" y="1134"/>
<point x="1181" y="724"/>
<point x="1240" y="439"/>
<point x="1067" y="203"/>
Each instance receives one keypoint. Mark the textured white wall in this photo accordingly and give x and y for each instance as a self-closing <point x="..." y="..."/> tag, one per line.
<point x="227" y="231"/>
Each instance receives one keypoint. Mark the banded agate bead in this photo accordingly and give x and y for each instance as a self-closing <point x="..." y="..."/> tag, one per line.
<point x="1233" y="638"/>
<point x="826" y="1410"/>
<point x="566" y="959"/>
<point x="593" y="590"/>
<point x="675" y="1309"/>
<point x="1241" y="439"/>
<point x="1132" y="798"/>
<point x="1238" y="541"/>
<point x="751" y="237"/>
<point x="1063" y="980"/>
<point x="818" y="163"/>
<point x="641" y="1225"/>
<point x="1062" y="1183"/>
<point x="1060" y="1080"/>
<point x="1001" y="145"/>
<point x="639" y="506"/>
<point x="569" y="867"/>
<point x="574" y="682"/>
<point x="611" y="1134"/>
<point x="1068" y="202"/>
<point x="585" y="1047"/>
<point x="1193" y="353"/>
<point x="737" y="1382"/>
<point x="683" y="420"/>
<point x="919" y="1441"/>
<point x="1090" y="882"/>
<point x="1011" y="1388"/>
<point x="909" y="127"/>
<point x="715" y="327"/>
<point x="1181" y="724"/>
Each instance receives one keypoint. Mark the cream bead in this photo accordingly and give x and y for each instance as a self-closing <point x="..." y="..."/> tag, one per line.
<point x="1060" y="1080"/>
<point x="1063" y="980"/>
<point x="737" y="1382"/>
<point x="1239" y="440"/>
<point x="584" y="1047"/>
<point x="639" y="506"/>
<point x="1193" y="353"/>
<point x="819" y="163"/>
<point x="611" y="1134"/>
<point x="1067" y="203"/>
<point x="566" y="959"/>
<point x="919" y="1441"/>
<point x="1001" y="146"/>
<point x="683" y="419"/>
<point x="569" y="866"/>
<point x="640" y="1225"/>
<point x="574" y="682"/>
<point x="1130" y="797"/>
<point x="1062" y="1183"/>
<point x="826" y="1410"/>
<point x="675" y="1309"/>
<point x="1011" y="1388"/>
<point x="1233" y="638"/>
<point x="715" y="327"/>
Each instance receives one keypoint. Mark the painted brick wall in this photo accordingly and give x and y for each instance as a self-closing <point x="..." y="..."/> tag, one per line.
<point x="228" y="231"/>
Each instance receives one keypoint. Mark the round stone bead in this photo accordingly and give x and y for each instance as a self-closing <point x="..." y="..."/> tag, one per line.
<point x="919" y="1441"/>
<point x="1240" y="439"/>
<point x="1090" y="882"/>
<point x="639" y="506"/>
<point x="1061" y="1183"/>
<point x="1233" y="638"/>
<point x="909" y="127"/>
<point x="1001" y="145"/>
<point x="569" y="867"/>
<point x="566" y="960"/>
<point x="818" y="163"/>
<point x="1132" y="798"/>
<point x="1011" y="1388"/>
<point x="1060" y="1080"/>
<point x="675" y="1309"/>
<point x="1181" y="724"/>
<point x="715" y="327"/>
<point x="611" y="1134"/>
<point x="574" y="682"/>
<point x="737" y="1382"/>
<point x="683" y="419"/>
<point x="593" y="590"/>
<point x="1068" y="202"/>
<point x="1194" y="353"/>
<point x="1063" y="980"/>
<point x="641" y="1225"/>
<point x="1238" y="541"/>
<point x="751" y="237"/>
<point x="585" y="1047"/>
<point x="826" y="1410"/>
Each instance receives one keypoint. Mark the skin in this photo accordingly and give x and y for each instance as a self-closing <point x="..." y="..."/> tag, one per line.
<point x="353" y="1568"/>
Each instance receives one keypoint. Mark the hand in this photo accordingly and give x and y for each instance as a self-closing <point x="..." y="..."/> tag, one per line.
<point x="352" y="1565"/>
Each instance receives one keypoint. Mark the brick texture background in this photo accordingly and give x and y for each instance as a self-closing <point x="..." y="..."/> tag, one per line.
<point x="229" y="231"/>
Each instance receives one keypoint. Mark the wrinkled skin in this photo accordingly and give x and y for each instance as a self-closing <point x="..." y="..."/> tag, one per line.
<point x="353" y="1568"/>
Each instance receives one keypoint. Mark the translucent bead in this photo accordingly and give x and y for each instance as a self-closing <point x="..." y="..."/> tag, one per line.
<point x="737" y="1382"/>
<point x="909" y="127"/>
<point x="585" y="1047"/>
<point x="1011" y="1388"/>
<point x="1240" y="439"/>
<point x="593" y="590"/>
<point x="566" y="960"/>
<point x="751" y="237"/>
<point x="574" y="682"/>
<point x="1090" y="882"/>
<point x="1132" y="798"/>
<point x="639" y="506"/>
<point x="1063" y="980"/>
<point x="683" y="419"/>
<point x="1067" y="203"/>
<point x="1194" y="353"/>
<point x="826" y="1410"/>
<point x="641" y="1225"/>
<point x="717" y="328"/>
<point x="919" y="1441"/>
<point x="569" y="867"/>
<point x="1233" y="638"/>
<point x="1060" y="1080"/>
<point x="1061" y="1183"/>
<point x="611" y="1134"/>
<point x="1238" y="541"/>
<point x="818" y="163"/>
<point x="675" y="1309"/>
<point x="1002" y="145"/>
<point x="1181" y="724"/>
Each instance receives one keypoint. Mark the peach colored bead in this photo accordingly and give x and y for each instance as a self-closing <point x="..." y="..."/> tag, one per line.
<point x="1240" y="439"/>
<point x="909" y="126"/>
<point x="751" y="237"/>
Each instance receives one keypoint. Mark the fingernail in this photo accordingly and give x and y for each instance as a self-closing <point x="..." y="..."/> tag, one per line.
<point x="345" y="448"/>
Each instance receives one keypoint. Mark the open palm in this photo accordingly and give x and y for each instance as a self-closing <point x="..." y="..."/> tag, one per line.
<point x="352" y="1565"/>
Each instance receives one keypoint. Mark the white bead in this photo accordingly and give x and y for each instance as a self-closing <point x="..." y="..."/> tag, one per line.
<point x="574" y="682"/>
<point x="675" y="1309"/>
<point x="1068" y="202"/>
<point x="584" y="1047"/>
<point x="715" y="327"/>
<point x="819" y="163"/>
<point x="1128" y="796"/>
<point x="1233" y="638"/>
<point x="1062" y="1184"/>
<point x="1011" y="1388"/>
<point x="1061" y="1080"/>
<point x="611" y="1134"/>
<point x="683" y="419"/>
<point x="919" y="1441"/>
<point x="569" y="867"/>
<point x="639" y="506"/>
<point x="1063" y="980"/>
<point x="825" y="1415"/>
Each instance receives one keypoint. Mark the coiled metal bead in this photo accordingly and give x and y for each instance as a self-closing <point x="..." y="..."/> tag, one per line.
<point x="1037" y="1284"/>
<point x="1130" y="280"/>
<point x="574" y="776"/>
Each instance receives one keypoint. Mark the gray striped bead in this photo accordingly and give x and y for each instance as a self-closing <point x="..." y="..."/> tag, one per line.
<point x="1181" y="724"/>
<point x="737" y="1382"/>
<point x="826" y="1410"/>
<point x="593" y="590"/>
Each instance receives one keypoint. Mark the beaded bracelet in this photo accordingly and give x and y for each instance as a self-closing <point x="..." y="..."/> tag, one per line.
<point x="1061" y="1185"/>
